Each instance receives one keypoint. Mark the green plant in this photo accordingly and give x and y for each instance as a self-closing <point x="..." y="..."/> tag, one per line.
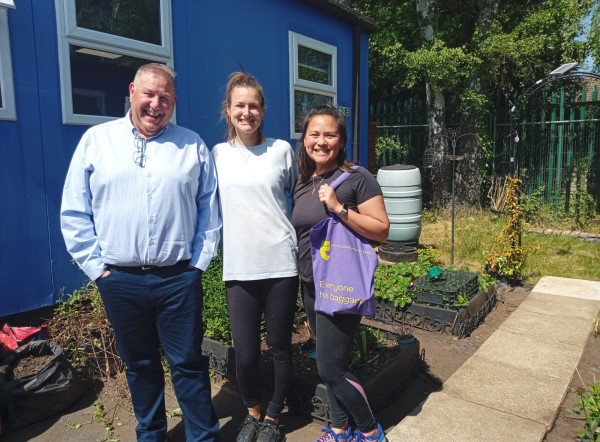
<point x="215" y="314"/>
<point x="589" y="408"/>
<point x="461" y="301"/>
<point x="508" y="256"/>
<point x="585" y="205"/>
<point x="389" y="151"/>
<point x="392" y="281"/>
<point x="364" y="339"/>
<point x="429" y="216"/>
<point x="102" y="417"/>
<point x="485" y="280"/>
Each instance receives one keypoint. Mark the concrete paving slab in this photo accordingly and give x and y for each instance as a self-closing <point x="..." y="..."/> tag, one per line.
<point x="507" y="388"/>
<point x="532" y="353"/>
<point x="546" y="328"/>
<point x="565" y="306"/>
<point x="573" y="288"/>
<point x="444" y="417"/>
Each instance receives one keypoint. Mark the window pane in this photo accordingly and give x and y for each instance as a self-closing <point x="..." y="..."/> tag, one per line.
<point x="135" y="19"/>
<point x="305" y="101"/>
<point x="100" y="81"/>
<point x="314" y="65"/>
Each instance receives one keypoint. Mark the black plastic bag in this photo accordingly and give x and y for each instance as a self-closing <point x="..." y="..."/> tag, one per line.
<point x="41" y="394"/>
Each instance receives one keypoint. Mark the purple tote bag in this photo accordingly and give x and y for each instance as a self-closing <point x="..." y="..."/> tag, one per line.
<point x="343" y="267"/>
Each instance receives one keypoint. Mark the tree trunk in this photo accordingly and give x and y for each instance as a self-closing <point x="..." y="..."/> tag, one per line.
<point x="436" y="125"/>
<point x="469" y="171"/>
<point x="441" y="168"/>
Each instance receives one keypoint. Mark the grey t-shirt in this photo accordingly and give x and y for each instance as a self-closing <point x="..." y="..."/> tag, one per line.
<point x="359" y="187"/>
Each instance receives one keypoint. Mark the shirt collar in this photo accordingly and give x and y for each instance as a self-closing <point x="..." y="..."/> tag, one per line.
<point x="136" y="133"/>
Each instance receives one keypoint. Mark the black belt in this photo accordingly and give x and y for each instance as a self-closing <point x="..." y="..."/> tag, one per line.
<point x="146" y="268"/>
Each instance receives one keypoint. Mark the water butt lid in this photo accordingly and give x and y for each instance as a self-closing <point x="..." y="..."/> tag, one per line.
<point x="399" y="167"/>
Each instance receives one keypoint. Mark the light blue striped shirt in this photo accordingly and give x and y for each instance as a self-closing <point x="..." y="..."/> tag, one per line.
<point x="116" y="212"/>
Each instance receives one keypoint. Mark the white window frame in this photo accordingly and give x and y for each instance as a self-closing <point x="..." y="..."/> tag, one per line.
<point x="298" y="84"/>
<point x="8" y="110"/>
<point x="70" y="34"/>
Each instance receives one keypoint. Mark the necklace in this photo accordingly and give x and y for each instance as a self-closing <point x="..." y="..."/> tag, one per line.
<point x="316" y="183"/>
<point x="239" y="147"/>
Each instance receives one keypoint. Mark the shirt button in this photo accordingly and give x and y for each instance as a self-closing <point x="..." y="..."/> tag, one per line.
<point x="149" y="175"/>
<point x="152" y="242"/>
<point x="152" y="219"/>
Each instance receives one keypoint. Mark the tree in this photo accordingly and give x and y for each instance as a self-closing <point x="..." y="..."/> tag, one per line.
<point x="469" y="58"/>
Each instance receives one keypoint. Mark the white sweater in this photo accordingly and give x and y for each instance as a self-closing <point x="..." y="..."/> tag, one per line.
<point x="255" y="187"/>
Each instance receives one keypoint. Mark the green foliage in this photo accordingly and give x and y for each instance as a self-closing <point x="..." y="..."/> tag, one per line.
<point x="461" y="301"/>
<point x="442" y="66"/>
<point x="485" y="280"/>
<point x="215" y="314"/>
<point x="585" y="205"/>
<point x="101" y="415"/>
<point x="364" y="339"/>
<point x="392" y="281"/>
<point x="429" y="216"/>
<point x="389" y="151"/>
<point x="508" y="257"/>
<point x="579" y="211"/>
<point x="588" y="407"/>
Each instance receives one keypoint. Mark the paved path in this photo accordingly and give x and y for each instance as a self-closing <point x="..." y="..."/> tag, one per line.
<point x="512" y="387"/>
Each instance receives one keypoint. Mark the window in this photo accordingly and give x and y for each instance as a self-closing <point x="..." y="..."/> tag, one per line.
<point x="313" y="78"/>
<point x="102" y="44"/>
<point x="7" y="92"/>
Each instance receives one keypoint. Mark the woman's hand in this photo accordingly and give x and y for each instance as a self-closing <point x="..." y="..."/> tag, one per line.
<point x="328" y="198"/>
<point x="370" y="220"/>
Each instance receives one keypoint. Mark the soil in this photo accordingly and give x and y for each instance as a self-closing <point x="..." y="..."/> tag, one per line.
<point x="29" y="366"/>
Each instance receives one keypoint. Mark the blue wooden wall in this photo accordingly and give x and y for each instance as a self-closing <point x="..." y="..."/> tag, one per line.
<point x="211" y="40"/>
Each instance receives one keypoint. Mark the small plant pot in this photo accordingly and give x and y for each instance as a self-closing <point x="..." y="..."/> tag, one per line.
<point x="405" y="339"/>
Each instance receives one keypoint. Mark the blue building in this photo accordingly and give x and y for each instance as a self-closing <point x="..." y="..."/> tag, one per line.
<point x="66" y="65"/>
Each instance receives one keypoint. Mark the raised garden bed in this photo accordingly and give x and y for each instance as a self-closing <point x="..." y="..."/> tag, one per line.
<point x="459" y="322"/>
<point x="308" y="396"/>
<point x="221" y="358"/>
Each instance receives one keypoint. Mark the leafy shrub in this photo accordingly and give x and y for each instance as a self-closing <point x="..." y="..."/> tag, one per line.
<point x="389" y="151"/>
<point x="508" y="257"/>
<point x="216" y="316"/>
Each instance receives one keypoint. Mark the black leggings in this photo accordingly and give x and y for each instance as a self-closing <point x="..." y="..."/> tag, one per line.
<point x="335" y="338"/>
<point x="247" y="301"/>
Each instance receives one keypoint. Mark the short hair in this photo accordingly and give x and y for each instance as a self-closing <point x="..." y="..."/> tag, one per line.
<point x="240" y="79"/>
<point x="156" y="68"/>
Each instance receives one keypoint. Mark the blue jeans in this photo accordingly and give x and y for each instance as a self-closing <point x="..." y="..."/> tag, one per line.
<point x="150" y="309"/>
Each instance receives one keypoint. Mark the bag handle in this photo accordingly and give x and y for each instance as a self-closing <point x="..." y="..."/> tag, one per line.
<point x="339" y="180"/>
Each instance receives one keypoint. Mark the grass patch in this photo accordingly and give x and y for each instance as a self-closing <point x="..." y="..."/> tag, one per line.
<point x="474" y="233"/>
